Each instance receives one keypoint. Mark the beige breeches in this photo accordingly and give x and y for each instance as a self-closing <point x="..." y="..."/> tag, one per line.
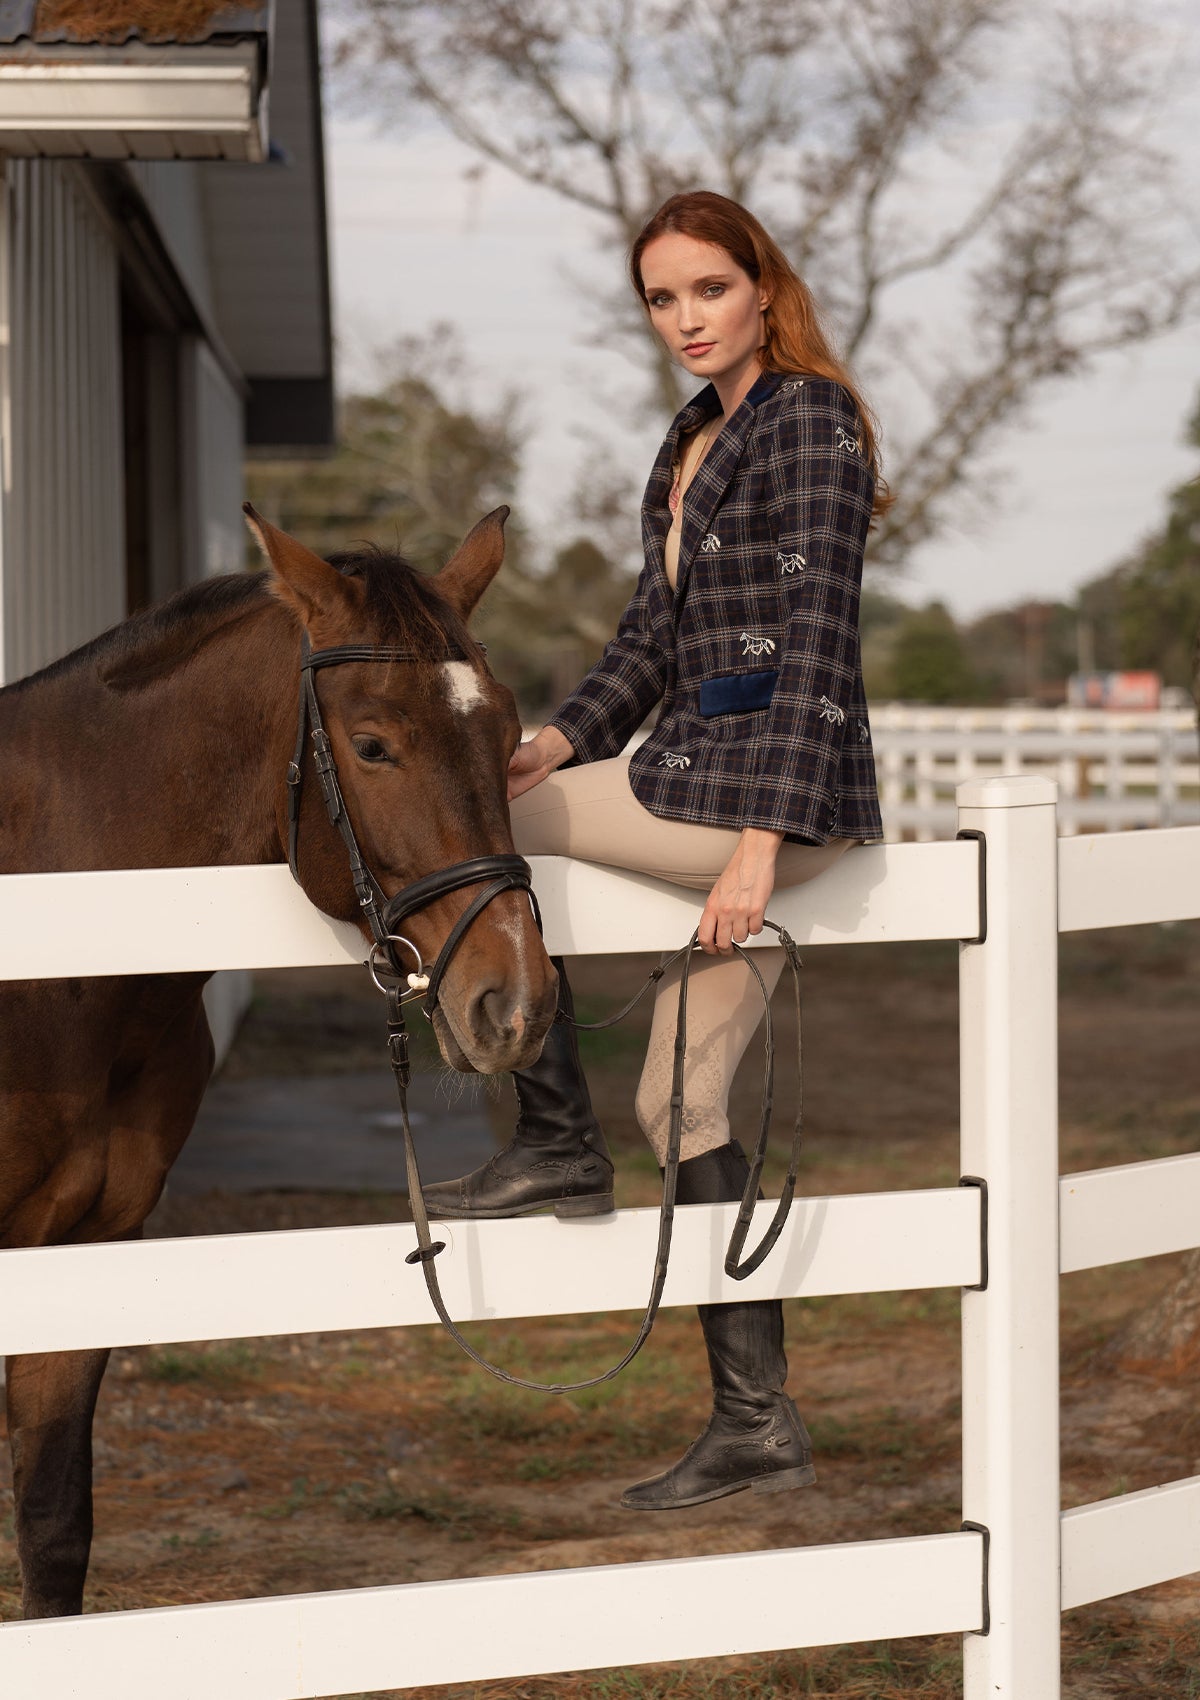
<point x="591" y="813"/>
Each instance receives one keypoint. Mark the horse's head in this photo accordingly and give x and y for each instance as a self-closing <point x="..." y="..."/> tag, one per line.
<point x="421" y="748"/>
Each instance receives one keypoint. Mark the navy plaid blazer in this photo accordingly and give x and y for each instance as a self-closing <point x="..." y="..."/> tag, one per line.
<point x="755" y="656"/>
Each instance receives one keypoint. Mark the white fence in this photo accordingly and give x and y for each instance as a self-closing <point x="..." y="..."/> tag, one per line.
<point x="1000" y="1580"/>
<point x="1113" y="771"/>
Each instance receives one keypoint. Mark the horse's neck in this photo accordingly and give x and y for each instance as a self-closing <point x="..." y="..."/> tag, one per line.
<point x="183" y="771"/>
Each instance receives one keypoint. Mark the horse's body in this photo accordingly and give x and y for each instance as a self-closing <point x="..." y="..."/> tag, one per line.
<point x="166" y="743"/>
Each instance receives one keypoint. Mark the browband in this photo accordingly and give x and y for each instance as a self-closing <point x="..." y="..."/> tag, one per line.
<point x="318" y="658"/>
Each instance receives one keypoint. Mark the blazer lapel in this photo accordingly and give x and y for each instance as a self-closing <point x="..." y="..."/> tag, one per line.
<point x="712" y="476"/>
<point x="656" y="512"/>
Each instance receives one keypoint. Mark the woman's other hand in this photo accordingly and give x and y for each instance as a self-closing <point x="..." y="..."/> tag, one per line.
<point x="737" y="903"/>
<point x="536" y="760"/>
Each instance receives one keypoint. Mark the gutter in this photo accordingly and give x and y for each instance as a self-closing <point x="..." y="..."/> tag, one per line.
<point x="166" y="103"/>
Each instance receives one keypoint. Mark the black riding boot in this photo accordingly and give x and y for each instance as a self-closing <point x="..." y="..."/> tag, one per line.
<point x="755" y="1437"/>
<point x="557" y="1156"/>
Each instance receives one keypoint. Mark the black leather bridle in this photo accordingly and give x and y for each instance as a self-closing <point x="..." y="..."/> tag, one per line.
<point x="385" y="915"/>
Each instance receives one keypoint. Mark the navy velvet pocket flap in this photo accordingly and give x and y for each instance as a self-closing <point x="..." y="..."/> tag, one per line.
<point x="737" y="693"/>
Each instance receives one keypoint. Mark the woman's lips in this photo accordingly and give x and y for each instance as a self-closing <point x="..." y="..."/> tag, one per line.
<point x="697" y="348"/>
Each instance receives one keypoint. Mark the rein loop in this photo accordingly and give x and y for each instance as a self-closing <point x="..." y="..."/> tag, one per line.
<point x="428" y="1248"/>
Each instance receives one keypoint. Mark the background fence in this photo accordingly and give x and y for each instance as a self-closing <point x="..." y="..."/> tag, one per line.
<point x="1113" y="771"/>
<point x="1000" y="1579"/>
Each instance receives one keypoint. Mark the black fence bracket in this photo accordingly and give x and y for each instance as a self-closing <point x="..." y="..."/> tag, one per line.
<point x="982" y="1529"/>
<point x="981" y="839"/>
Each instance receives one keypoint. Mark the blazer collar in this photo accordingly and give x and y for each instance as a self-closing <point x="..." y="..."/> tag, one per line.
<point x="706" y="403"/>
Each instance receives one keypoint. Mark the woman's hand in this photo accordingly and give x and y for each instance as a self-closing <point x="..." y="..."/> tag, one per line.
<point x="737" y="903"/>
<point x="537" y="760"/>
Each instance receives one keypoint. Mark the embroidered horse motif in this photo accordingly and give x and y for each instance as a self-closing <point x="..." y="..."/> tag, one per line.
<point x="754" y="644"/>
<point x="791" y="563"/>
<point x="674" y="762"/>
<point x="830" y="711"/>
<point x="710" y="544"/>
<point x="864" y="736"/>
<point x="846" y="441"/>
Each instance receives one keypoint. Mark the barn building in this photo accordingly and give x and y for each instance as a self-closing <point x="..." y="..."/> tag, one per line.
<point x="164" y="297"/>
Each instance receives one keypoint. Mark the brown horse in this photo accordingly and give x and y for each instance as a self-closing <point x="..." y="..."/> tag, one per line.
<point x="166" y="743"/>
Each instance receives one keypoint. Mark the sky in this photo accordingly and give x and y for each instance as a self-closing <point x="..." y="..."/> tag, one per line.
<point x="419" y="239"/>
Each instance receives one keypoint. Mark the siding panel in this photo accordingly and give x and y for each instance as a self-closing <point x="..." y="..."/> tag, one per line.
<point x="64" y="547"/>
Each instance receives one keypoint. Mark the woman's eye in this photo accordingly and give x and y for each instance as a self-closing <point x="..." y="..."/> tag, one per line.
<point x="659" y="300"/>
<point x="715" y="289"/>
<point x="369" y="749"/>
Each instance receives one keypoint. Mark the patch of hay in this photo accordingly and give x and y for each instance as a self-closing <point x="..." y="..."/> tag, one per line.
<point x="114" y="21"/>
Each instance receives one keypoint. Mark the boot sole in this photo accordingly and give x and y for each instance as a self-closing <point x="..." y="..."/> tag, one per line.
<point x="802" y="1476"/>
<point x="566" y="1209"/>
<point x="783" y="1481"/>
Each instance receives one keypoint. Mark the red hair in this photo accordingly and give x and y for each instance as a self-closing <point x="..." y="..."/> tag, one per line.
<point x="796" y="340"/>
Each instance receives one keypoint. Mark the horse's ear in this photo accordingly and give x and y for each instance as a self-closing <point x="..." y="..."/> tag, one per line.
<point x="473" y="566"/>
<point x="300" y="578"/>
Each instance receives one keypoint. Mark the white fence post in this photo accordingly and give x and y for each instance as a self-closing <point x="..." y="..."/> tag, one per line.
<point x="1009" y="1074"/>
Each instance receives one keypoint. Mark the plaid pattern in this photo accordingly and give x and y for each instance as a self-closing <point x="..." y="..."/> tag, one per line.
<point x="775" y="521"/>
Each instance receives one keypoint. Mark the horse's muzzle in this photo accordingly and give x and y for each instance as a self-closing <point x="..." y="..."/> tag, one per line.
<point x="493" y="1034"/>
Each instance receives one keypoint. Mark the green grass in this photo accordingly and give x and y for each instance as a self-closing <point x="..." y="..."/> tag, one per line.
<point x="215" y="1366"/>
<point x="199" y="1542"/>
<point x="880" y="1434"/>
<point x="557" y="1466"/>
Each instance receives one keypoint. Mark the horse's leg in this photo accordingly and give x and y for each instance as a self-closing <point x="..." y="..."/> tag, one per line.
<point x="51" y="1401"/>
<point x="52" y="1396"/>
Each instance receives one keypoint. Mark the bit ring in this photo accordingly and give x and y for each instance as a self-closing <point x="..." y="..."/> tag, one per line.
<point x="377" y="962"/>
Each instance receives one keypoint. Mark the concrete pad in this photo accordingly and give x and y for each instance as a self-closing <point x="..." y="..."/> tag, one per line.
<point x="331" y="1133"/>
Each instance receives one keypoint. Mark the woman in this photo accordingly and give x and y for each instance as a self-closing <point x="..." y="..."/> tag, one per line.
<point x="759" y="772"/>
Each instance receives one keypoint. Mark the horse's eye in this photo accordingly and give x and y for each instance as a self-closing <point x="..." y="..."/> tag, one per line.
<point x="369" y="749"/>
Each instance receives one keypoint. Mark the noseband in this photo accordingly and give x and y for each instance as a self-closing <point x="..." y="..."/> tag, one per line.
<point x="385" y="915"/>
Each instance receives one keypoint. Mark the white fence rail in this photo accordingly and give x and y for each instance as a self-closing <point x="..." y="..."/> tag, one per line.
<point x="1113" y="771"/>
<point x="1000" y="1581"/>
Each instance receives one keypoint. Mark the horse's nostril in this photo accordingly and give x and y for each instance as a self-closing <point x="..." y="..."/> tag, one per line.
<point x="504" y="1020"/>
<point x="498" y="1012"/>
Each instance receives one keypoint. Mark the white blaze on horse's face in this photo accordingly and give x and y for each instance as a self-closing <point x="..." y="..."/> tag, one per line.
<point x="462" y="686"/>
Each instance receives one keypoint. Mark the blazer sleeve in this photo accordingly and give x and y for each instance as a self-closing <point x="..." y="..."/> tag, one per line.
<point x="607" y="707"/>
<point x="821" y="487"/>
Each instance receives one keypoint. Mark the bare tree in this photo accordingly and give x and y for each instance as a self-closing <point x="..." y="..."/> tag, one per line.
<point x="416" y="466"/>
<point x="847" y="124"/>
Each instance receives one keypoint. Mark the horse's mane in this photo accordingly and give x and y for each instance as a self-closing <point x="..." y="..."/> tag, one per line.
<point x="401" y="606"/>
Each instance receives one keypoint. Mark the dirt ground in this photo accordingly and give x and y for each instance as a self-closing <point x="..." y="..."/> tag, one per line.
<point x="240" y="1468"/>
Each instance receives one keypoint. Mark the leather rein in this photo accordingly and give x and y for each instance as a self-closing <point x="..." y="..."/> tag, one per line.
<point x="384" y="916"/>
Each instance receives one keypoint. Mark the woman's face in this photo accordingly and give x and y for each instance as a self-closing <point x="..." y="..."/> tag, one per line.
<point x="707" y="310"/>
